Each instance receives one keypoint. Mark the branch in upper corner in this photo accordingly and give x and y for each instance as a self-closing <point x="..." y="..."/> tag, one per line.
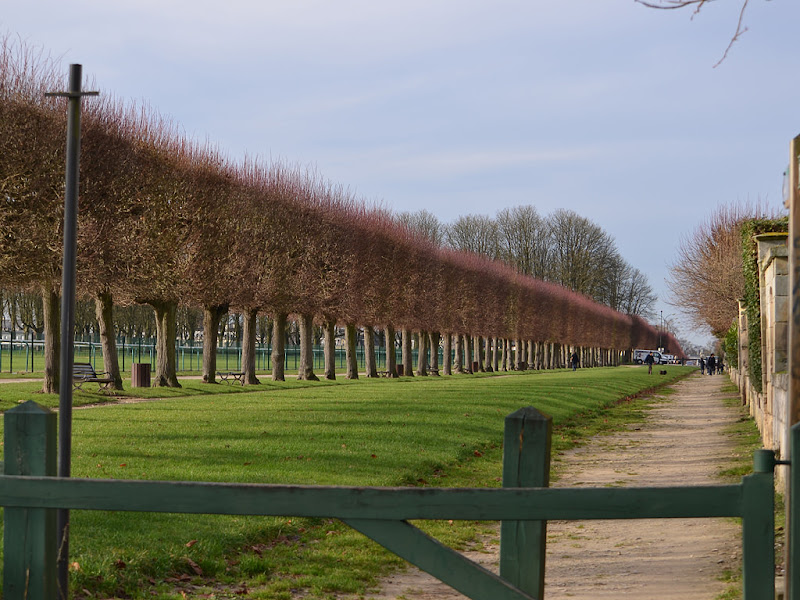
<point x="699" y="4"/>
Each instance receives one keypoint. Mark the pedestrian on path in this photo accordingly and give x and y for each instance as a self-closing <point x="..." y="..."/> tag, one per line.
<point x="702" y="366"/>
<point x="712" y="364"/>
<point x="649" y="362"/>
<point x="574" y="360"/>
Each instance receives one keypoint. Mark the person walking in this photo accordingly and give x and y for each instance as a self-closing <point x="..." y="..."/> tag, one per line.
<point x="574" y="360"/>
<point x="702" y="366"/>
<point x="711" y="364"/>
<point x="649" y="362"/>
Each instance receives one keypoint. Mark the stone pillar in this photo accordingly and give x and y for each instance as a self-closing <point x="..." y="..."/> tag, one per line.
<point x="774" y="293"/>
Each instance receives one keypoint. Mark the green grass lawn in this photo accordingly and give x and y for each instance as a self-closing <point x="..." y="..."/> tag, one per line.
<point x="423" y="431"/>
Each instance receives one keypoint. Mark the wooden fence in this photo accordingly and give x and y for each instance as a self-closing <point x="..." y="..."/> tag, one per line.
<point x="31" y="494"/>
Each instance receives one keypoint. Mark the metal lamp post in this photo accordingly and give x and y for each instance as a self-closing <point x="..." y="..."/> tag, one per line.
<point x="68" y="306"/>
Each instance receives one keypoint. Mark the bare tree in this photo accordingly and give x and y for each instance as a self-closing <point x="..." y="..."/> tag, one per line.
<point x="637" y="296"/>
<point x="329" y="348"/>
<point x="408" y="363"/>
<point x="706" y="277"/>
<point x="447" y="354"/>
<point x="524" y="240"/>
<point x="279" y="346"/>
<point x="104" y="307"/>
<point x="350" y="337"/>
<point x="249" y="347"/>
<point x="424" y="223"/>
<point x="422" y="353"/>
<point x="473" y="233"/>
<point x="391" y="355"/>
<point x="580" y="252"/>
<point x="212" y="316"/>
<point x="305" y="370"/>
<point x="370" y="366"/>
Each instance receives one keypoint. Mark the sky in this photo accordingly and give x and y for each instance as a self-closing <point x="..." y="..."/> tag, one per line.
<point x="604" y="107"/>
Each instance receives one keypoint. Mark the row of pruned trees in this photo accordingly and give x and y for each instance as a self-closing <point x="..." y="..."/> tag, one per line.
<point x="563" y="247"/>
<point x="167" y="222"/>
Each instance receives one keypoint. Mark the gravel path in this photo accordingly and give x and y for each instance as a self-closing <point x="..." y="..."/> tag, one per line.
<point x="682" y="442"/>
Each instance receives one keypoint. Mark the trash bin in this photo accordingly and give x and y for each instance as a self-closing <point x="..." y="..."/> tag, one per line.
<point x="140" y="375"/>
<point x="400" y="370"/>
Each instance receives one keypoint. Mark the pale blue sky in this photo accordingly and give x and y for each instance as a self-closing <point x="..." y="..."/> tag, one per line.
<point x="604" y="107"/>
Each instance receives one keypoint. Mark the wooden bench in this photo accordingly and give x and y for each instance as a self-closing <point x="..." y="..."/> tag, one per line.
<point x="231" y="376"/>
<point x="85" y="373"/>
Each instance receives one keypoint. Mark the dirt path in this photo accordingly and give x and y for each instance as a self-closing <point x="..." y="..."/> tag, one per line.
<point x="681" y="443"/>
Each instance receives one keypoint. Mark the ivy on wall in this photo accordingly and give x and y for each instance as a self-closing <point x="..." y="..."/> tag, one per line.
<point x="731" y="345"/>
<point x="752" y="299"/>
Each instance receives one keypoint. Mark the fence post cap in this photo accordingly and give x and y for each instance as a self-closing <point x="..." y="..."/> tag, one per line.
<point x="29" y="407"/>
<point x="529" y="412"/>
<point x="764" y="461"/>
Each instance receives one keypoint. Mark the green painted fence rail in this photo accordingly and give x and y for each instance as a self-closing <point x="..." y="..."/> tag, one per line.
<point x="30" y="496"/>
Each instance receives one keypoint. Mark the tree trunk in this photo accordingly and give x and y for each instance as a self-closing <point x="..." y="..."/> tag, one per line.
<point x="422" y="354"/>
<point x="468" y="366"/>
<point x="447" y="358"/>
<point x="369" y="352"/>
<point x="479" y="345"/>
<point x="212" y="315"/>
<point x="521" y="362"/>
<point x="165" y="375"/>
<point x="249" y="347"/>
<point x="305" y="371"/>
<point x="104" y="311"/>
<point x="278" y="346"/>
<point x="52" y="341"/>
<point x="391" y="355"/>
<point x="350" y="338"/>
<point x="495" y="355"/>
<point x="458" y="360"/>
<point x="407" y="354"/>
<point x="487" y="354"/>
<point x="435" y="338"/>
<point x="329" y="349"/>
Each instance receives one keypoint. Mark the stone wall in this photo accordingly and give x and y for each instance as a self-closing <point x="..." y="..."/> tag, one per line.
<point x="769" y="406"/>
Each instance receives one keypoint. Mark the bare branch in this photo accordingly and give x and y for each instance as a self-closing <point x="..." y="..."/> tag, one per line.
<point x="674" y="4"/>
<point x="740" y="29"/>
<point x="699" y="4"/>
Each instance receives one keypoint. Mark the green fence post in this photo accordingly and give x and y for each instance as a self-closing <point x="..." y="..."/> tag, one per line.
<point x="30" y="540"/>
<point x="526" y="463"/>
<point x="758" y="528"/>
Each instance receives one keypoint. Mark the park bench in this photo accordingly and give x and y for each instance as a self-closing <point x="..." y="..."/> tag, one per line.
<point x="231" y="376"/>
<point x="85" y="373"/>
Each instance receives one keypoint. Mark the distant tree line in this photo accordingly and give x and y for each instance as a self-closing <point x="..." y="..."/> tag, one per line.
<point x="563" y="248"/>
<point x="168" y="223"/>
